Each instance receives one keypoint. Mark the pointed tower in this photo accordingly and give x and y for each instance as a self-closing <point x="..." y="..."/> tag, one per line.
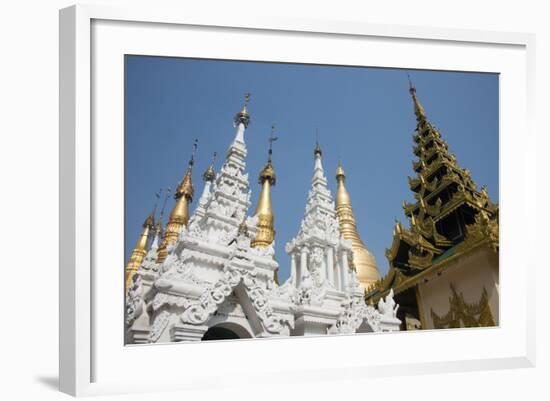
<point x="212" y="275"/>
<point x="317" y="250"/>
<point x="320" y="262"/>
<point x="225" y="197"/>
<point x="449" y="218"/>
<point x="363" y="260"/>
<point x="264" y="211"/>
<point x="447" y="200"/>
<point x="179" y="216"/>
<point x="140" y="250"/>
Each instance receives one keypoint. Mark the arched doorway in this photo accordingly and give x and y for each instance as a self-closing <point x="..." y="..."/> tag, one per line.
<point x="225" y="331"/>
<point x="219" y="333"/>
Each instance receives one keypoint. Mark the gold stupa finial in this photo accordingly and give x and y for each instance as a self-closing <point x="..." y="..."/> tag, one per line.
<point x="179" y="216"/>
<point x="140" y="250"/>
<point x="363" y="260"/>
<point x="418" y="109"/>
<point x="210" y="174"/>
<point x="340" y="173"/>
<point x="242" y="117"/>
<point x="268" y="173"/>
<point x="265" y="233"/>
<point x="185" y="187"/>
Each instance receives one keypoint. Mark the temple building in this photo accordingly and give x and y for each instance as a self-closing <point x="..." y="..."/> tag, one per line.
<point x="444" y="266"/>
<point x="214" y="274"/>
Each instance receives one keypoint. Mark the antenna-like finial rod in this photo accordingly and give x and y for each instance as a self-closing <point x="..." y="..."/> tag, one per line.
<point x="168" y="192"/>
<point x="411" y="86"/>
<point x="157" y="196"/>
<point x="317" y="150"/>
<point x="272" y="138"/>
<point x="195" y="145"/>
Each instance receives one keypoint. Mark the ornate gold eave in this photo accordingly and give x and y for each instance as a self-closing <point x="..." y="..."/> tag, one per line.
<point x="391" y="252"/>
<point x="393" y="278"/>
<point x="407" y="282"/>
<point x="458" y="199"/>
<point x="412" y="239"/>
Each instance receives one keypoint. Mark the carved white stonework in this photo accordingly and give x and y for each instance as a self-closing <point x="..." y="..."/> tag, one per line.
<point x="212" y="277"/>
<point x="388" y="307"/>
<point x="326" y="292"/>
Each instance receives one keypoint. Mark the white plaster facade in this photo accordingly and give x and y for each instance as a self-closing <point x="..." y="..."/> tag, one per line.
<point x="213" y="278"/>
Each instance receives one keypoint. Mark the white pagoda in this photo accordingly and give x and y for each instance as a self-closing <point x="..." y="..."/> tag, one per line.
<point x="214" y="274"/>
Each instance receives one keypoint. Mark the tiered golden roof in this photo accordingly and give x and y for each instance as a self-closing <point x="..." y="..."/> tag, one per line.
<point x="179" y="216"/>
<point x="363" y="260"/>
<point x="449" y="212"/>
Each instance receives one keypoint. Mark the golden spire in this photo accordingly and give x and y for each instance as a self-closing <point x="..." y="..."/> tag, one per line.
<point x="179" y="216"/>
<point x="363" y="260"/>
<point x="140" y="250"/>
<point x="418" y="109"/>
<point x="265" y="233"/>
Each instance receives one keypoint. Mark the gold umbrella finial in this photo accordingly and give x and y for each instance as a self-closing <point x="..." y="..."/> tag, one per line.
<point x="179" y="216"/>
<point x="418" y="109"/>
<point x="242" y="117"/>
<point x="210" y="174"/>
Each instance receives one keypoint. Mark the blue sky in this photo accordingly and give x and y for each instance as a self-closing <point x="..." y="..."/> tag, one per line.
<point x="362" y="115"/>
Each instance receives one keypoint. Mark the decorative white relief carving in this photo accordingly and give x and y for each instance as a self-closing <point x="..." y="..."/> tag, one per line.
<point x="150" y="264"/>
<point x="211" y="262"/>
<point x="268" y="251"/>
<point x="355" y="313"/>
<point x="160" y="323"/>
<point x="388" y="307"/>
<point x="200" y="311"/>
<point x="135" y="304"/>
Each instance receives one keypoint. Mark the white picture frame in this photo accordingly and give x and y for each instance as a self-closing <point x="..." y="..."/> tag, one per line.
<point x="92" y="38"/>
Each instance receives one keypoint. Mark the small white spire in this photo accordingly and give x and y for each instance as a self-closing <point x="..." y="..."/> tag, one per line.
<point x="242" y="119"/>
<point x="318" y="172"/>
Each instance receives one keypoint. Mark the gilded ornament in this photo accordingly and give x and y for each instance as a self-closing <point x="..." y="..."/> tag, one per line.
<point x="179" y="216"/>
<point x="363" y="260"/>
<point x="464" y="314"/>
